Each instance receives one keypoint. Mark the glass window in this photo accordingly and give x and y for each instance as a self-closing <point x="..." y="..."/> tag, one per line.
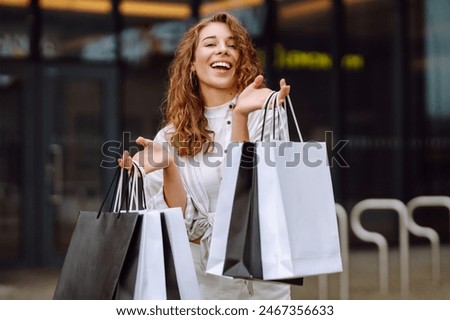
<point x="429" y="155"/>
<point x="151" y="32"/>
<point x="11" y="144"/>
<point x="14" y="38"/>
<point x="251" y="13"/>
<point x="369" y="103"/>
<point x="74" y="99"/>
<point x="152" y="28"/>
<point x="302" y="55"/>
<point x="78" y="30"/>
<point x="437" y="50"/>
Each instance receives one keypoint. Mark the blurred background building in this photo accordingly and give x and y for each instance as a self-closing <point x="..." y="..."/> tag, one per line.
<point x="77" y="77"/>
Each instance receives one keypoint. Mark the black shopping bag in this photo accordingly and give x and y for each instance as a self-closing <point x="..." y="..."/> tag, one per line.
<point x="101" y="259"/>
<point x="243" y="250"/>
<point x="96" y="257"/>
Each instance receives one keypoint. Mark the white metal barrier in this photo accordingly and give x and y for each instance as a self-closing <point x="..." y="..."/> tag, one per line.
<point x="380" y="241"/>
<point x="426" y="232"/>
<point x="344" y="278"/>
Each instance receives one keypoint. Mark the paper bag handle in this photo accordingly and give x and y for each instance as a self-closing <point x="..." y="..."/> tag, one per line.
<point x="288" y="101"/>
<point x="134" y="190"/>
<point x="274" y="101"/>
<point x="117" y="181"/>
<point x="133" y="193"/>
<point x="266" y="106"/>
<point x="137" y="197"/>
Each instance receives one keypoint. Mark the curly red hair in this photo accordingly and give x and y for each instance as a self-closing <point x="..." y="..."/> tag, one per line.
<point x="184" y="104"/>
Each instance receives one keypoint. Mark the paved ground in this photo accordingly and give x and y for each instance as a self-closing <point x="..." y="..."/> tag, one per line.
<point x="364" y="277"/>
<point x="40" y="283"/>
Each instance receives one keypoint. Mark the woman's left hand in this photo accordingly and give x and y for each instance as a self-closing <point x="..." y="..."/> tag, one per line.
<point x="253" y="97"/>
<point x="153" y="157"/>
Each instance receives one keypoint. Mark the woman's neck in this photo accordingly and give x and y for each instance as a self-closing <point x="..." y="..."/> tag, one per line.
<point x="215" y="97"/>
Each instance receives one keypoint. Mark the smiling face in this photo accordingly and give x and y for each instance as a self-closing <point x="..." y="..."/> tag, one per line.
<point x="216" y="58"/>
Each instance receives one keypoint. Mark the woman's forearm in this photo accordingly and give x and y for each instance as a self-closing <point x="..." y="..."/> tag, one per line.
<point x="239" y="126"/>
<point x="174" y="192"/>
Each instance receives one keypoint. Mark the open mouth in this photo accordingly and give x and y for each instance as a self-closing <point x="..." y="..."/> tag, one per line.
<point x="221" y="65"/>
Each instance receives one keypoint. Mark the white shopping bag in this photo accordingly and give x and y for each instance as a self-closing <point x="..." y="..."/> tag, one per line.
<point x="182" y="256"/>
<point x="165" y="268"/>
<point x="150" y="275"/>
<point x="298" y="224"/>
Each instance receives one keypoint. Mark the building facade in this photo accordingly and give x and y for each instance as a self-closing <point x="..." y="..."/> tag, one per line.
<point x="81" y="79"/>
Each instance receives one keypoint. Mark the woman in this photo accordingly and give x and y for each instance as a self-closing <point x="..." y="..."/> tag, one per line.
<point x="215" y="96"/>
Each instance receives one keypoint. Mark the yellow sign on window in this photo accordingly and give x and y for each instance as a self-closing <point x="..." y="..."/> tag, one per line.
<point x="313" y="60"/>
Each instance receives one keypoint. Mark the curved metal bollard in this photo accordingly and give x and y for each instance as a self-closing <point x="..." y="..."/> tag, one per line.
<point x="344" y="283"/>
<point x="380" y="241"/>
<point x="426" y="232"/>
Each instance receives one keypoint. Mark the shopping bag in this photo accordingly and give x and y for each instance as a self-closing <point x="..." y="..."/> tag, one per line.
<point x="165" y="268"/>
<point x="130" y="198"/>
<point x="243" y="257"/>
<point x="235" y="242"/>
<point x="243" y="250"/>
<point x="299" y="232"/>
<point x="235" y="236"/>
<point x="164" y="265"/>
<point x="95" y="265"/>
<point x="150" y="275"/>
<point x="224" y="207"/>
<point x="285" y="216"/>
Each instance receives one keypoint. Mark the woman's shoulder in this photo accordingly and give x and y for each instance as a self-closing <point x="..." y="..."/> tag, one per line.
<point x="164" y="134"/>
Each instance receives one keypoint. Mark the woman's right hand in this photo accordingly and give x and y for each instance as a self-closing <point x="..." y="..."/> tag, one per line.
<point x="153" y="157"/>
